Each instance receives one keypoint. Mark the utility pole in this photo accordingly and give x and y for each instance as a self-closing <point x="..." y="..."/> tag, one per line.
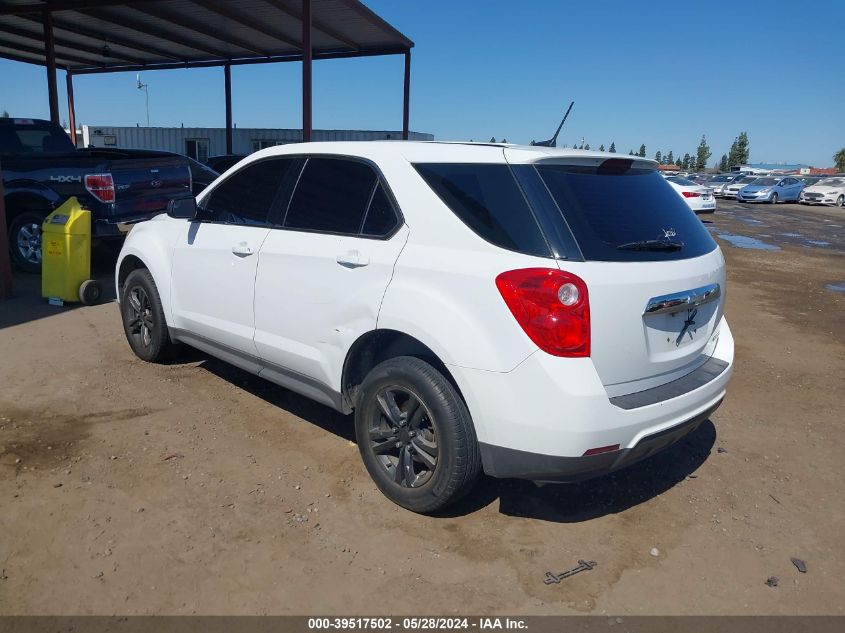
<point x="146" y="89"/>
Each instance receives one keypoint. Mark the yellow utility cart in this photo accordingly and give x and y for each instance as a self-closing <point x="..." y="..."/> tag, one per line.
<point x="66" y="256"/>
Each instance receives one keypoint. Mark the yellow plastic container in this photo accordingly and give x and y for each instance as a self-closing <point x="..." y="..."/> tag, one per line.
<point x="66" y="254"/>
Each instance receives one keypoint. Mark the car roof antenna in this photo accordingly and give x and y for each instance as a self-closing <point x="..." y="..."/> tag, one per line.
<point x="552" y="142"/>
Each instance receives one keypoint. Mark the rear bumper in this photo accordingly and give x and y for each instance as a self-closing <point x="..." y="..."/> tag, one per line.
<point x="507" y="462"/>
<point x="538" y="421"/>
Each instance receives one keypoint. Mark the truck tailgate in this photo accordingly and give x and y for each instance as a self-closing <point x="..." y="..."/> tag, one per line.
<point x="143" y="186"/>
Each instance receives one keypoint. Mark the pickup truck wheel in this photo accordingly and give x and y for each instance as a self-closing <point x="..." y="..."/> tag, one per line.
<point x="25" y="240"/>
<point x="415" y="435"/>
<point x="143" y="317"/>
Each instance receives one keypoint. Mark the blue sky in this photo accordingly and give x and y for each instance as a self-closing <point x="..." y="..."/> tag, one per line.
<point x="659" y="73"/>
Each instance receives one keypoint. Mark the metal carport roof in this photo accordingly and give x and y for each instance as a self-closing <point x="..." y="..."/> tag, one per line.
<point x="95" y="36"/>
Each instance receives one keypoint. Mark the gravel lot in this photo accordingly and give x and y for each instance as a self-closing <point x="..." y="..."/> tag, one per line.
<point x="196" y="488"/>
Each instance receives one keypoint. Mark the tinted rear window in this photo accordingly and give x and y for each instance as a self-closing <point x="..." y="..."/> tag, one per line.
<point x="489" y="201"/>
<point x="36" y="138"/>
<point x="607" y="210"/>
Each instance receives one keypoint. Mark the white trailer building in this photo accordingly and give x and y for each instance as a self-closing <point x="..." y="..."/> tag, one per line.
<point x="201" y="142"/>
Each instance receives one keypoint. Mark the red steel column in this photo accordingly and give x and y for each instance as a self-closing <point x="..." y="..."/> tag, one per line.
<point x="71" y="108"/>
<point x="406" y="101"/>
<point x="5" y="261"/>
<point x="306" y="70"/>
<point x="52" y="87"/>
<point x="227" y="76"/>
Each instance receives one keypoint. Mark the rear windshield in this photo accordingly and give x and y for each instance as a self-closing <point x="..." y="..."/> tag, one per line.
<point x="35" y="138"/>
<point x="626" y="215"/>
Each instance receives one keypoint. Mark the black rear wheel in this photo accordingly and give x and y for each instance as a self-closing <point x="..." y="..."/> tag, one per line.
<point x="415" y="435"/>
<point x="143" y="317"/>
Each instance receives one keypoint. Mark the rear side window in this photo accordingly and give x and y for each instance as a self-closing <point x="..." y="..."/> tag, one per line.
<point x="489" y="201"/>
<point x="381" y="218"/>
<point x="332" y="196"/>
<point x="34" y="139"/>
<point x="610" y="212"/>
<point x="247" y="196"/>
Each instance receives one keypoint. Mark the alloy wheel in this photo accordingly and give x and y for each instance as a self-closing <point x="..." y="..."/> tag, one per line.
<point x="402" y="437"/>
<point x="140" y="321"/>
<point x="29" y="243"/>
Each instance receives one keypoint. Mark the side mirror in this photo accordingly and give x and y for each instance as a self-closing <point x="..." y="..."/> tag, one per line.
<point x="182" y="208"/>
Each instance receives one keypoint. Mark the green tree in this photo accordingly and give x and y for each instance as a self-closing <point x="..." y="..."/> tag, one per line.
<point x="685" y="164"/>
<point x="493" y="139"/>
<point x="5" y="115"/>
<point x="670" y="159"/>
<point x="839" y="160"/>
<point x="504" y="140"/>
<point x="658" y="156"/>
<point x="612" y="149"/>
<point x="642" y="151"/>
<point x="631" y="152"/>
<point x="740" y="151"/>
<point x="723" y="164"/>
<point x="585" y="146"/>
<point x="601" y="147"/>
<point x="702" y="154"/>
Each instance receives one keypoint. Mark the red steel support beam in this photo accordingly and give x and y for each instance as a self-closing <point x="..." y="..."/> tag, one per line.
<point x="71" y="108"/>
<point x="227" y="77"/>
<point x="52" y="87"/>
<point x="406" y="98"/>
<point x="5" y="260"/>
<point x="307" y="55"/>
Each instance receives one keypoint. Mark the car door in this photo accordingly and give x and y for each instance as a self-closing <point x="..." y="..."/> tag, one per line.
<point x="794" y="187"/>
<point x="323" y="272"/>
<point x="215" y="261"/>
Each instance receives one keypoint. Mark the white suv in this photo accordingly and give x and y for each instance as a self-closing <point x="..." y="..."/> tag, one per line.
<point x="527" y="312"/>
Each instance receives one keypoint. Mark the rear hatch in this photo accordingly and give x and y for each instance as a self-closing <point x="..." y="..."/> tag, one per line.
<point x="654" y="275"/>
<point x="143" y="185"/>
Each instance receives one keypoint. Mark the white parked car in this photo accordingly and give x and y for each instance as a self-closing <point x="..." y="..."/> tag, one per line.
<point x="698" y="197"/>
<point x="830" y="191"/>
<point x="732" y="190"/>
<point x="719" y="182"/>
<point x="524" y="312"/>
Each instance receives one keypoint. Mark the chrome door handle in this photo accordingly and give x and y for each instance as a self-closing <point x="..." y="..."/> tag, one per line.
<point x="243" y="249"/>
<point x="352" y="259"/>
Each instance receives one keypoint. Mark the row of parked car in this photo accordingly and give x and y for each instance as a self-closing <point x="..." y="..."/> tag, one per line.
<point x="829" y="190"/>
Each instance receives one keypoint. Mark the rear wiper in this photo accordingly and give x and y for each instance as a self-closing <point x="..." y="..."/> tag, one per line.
<point x="651" y="245"/>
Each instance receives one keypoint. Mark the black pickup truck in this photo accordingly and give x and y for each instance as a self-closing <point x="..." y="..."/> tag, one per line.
<point x="41" y="169"/>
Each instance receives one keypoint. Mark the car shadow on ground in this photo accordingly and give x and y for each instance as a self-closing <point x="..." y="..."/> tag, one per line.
<point x="560" y="503"/>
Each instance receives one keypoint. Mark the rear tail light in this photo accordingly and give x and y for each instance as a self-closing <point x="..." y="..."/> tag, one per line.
<point x="691" y="194"/>
<point x="551" y="306"/>
<point x="101" y="186"/>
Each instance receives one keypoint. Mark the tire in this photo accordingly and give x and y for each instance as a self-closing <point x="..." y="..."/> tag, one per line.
<point x="143" y="318"/>
<point x="840" y="201"/>
<point x="428" y="459"/>
<point x="90" y="292"/>
<point x="774" y="198"/>
<point x="25" y="241"/>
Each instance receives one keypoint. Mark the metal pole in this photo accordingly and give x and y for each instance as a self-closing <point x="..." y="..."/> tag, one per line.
<point x="71" y="108"/>
<point x="227" y="81"/>
<point x="5" y="261"/>
<point x="406" y="101"/>
<point x="52" y="87"/>
<point x="306" y="70"/>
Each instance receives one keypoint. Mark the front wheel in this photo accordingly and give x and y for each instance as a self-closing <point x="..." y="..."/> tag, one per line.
<point x="840" y="201"/>
<point x="143" y="317"/>
<point x="774" y="198"/>
<point x="415" y="435"/>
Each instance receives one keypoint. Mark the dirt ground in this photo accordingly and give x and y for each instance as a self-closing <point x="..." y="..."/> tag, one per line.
<point x="128" y="488"/>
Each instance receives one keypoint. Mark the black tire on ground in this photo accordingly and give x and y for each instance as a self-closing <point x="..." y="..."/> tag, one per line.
<point x="90" y="292"/>
<point x="774" y="198"/>
<point x="143" y="317"/>
<point x="25" y="240"/>
<point x="840" y="201"/>
<point x="415" y="435"/>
